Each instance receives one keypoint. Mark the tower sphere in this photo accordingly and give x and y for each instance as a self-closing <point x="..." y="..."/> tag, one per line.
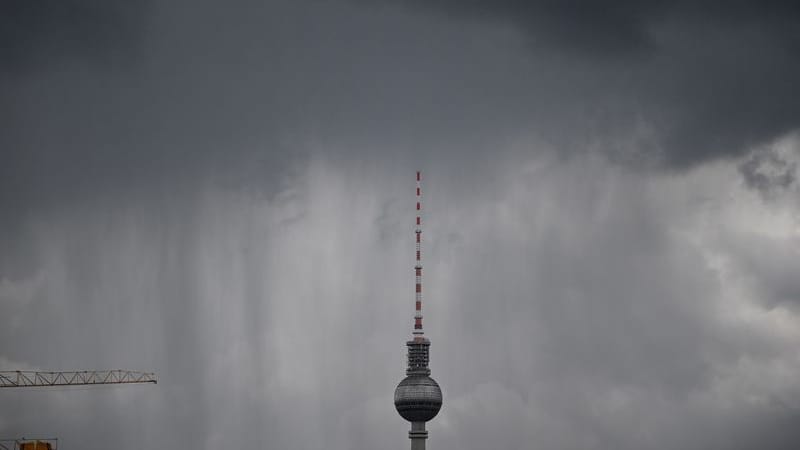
<point x="418" y="398"/>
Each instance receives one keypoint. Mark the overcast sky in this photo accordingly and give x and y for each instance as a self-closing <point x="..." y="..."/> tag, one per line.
<point x="224" y="195"/>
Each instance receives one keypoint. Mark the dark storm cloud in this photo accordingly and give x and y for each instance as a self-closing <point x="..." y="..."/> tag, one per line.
<point x="42" y="33"/>
<point x="709" y="79"/>
<point x="611" y="28"/>
<point x="193" y="89"/>
<point x="616" y="28"/>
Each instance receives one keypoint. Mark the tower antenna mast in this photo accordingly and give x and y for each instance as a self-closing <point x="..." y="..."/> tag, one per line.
<point x="419" y="333"/>
<point x="418" y="397"/>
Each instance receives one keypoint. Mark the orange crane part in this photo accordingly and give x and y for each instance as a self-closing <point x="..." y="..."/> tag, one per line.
<point x="29" y="444"/>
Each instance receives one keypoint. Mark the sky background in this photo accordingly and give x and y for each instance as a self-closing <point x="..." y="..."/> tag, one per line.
<point x="224" y="195"/>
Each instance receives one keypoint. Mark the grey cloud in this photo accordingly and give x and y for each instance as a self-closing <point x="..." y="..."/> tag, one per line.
<point x="609" y="314"/>
<point x="610" y="28"/>
<point x="709" y="79"/>
<point x="767" y="172"/>
<point x="613" y="28"/>
<point x="201" y="90"/>
<point x="767" y="264"/>
<point x="205" y="90"/>
<point x="40" y="34"/>
<point x="562" y="311"/>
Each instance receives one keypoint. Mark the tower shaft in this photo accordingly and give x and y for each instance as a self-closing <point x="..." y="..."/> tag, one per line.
<point x="418" y="435"/>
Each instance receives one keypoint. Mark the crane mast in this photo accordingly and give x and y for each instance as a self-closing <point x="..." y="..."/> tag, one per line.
<point x="29" y="378"/>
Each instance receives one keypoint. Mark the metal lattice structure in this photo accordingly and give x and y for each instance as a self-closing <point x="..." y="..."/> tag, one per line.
<point x="25" y="443"/>
<point x="27" y="378"/>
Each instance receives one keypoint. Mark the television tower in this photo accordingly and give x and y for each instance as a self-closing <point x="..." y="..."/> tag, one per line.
<point x="418" y="397"/>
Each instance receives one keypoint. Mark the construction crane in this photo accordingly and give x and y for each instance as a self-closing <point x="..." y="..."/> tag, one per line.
<point x="30" y="378"/>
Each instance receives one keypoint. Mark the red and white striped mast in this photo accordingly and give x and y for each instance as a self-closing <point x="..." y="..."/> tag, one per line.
<point x="418" y="332"/>
<point x="418" y="397"/>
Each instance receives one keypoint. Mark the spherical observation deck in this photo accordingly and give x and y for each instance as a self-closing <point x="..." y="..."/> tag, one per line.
<point x="418" y="398"/>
